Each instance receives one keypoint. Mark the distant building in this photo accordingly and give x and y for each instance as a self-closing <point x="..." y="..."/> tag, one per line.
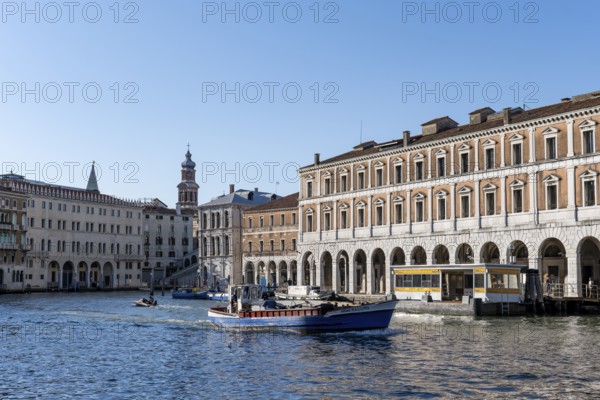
<point x="168" y="244"/>
<point x="220" y="233"/>
<point x="14" y="273"/>
<point x="270" y="242"/>
<point x="79" y="238"/>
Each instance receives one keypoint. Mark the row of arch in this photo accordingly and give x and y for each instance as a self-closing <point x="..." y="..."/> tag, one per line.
<point x="272" y="273"/>
<point x="94" y="275"/>
<point x="359" y="272"/>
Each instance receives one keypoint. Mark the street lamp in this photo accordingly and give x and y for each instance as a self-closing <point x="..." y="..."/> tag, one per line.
<point x="511" y="252"/>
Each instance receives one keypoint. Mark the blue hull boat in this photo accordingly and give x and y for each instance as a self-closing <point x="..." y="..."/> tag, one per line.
<point x="324" y="318"/>
<point x="190" y="294"/>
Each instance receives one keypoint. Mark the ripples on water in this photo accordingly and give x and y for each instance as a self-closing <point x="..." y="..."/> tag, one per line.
<point x="100" y="346"/>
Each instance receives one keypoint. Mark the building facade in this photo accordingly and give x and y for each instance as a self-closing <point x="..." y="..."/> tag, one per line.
<point x="220" y="233"/>
<point x="13" y="240"/>
<point x="269" y="243"/>
<point x="79" y="238"/>
<point x="509" y="187"/>
<point x="168" y="244"/>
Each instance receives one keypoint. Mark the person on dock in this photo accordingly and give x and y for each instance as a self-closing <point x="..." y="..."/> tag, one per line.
<point x="234" y="300"/>
<point x="590" y="285"/>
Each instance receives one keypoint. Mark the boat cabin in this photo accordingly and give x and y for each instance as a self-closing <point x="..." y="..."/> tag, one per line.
<point x="492" y="283"/>
<point x="248" y="295"/>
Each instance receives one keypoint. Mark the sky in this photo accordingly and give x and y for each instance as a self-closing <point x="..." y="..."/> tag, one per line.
<point x="256" y="88"/>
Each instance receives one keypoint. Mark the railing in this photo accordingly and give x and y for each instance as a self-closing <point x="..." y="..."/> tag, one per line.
<point x="590" y="291"/>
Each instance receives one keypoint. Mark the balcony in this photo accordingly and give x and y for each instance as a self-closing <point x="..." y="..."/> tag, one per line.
<point x="9" y="246"/>
<point x="38" y="254"/>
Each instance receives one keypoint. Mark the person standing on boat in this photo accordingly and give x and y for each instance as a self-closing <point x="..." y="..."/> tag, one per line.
<point x="590" y="284"/>
<point x="234" y="300"/>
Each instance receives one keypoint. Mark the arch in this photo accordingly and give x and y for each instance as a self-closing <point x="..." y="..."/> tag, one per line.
<point x="108" y="275"/>
<point x="261" y="274"/>
<point x="343" y="268"/>
<point x="517" y="253"/>
<point x="68" y="276"/>
<point x="464" y="254"/>
<point x="187" y="263"/>
<point x="418" y="256"/>
<point x="53" y="271"/>
<point x="441" y="255"/>
<point x="294" y="272"/>
<point x="95" y="277"/>
<point x="490" y="253"/>
<point x="397" y="257"/>
<point x="283" y="272"/>
<point x="194" y="259"/>
<point x="378" y="274"/>
<point x="272" y="274"/>
<point x="553" y="262"/>
<point x="360" y="271"/>
<point x="307" y="266"/>
<point x="588" y="261"/>
<point x="327" y="271"/>
<point x="82" y="274"/>
<point x="249" y="273"/>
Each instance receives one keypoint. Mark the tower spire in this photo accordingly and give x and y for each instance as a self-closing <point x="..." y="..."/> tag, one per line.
<point x="92" y="185"/>
<point x="188" y="188"/>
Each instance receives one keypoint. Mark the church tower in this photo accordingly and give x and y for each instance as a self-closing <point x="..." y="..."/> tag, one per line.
<point x="92" y="185"/>
<point x="188" y="188"/>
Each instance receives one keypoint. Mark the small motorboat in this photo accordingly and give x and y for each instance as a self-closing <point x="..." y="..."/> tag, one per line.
<point x="190" y="294"/>
<point x="146" y="302"/>
<point x="250" y="311"/>
<point x="218" y="296"/>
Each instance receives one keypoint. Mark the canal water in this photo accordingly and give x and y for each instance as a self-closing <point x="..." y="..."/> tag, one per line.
<point x="99" y="346"/>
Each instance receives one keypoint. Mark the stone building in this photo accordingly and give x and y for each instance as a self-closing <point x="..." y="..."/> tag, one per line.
<point x="511" y="186"/>
<point x="220" y="233"/>
<point x="270" y="238"/>
<point x="13" y="240"/>
<point x="79" y="238"/>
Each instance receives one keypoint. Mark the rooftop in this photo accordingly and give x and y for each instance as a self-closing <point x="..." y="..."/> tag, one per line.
<point x="242" y="197"/>
<point x="290" y="201"/>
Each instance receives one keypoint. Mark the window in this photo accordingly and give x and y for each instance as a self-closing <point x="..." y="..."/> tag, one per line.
<point x="441" y="167"/>
<point x="361" y="180"/>
<point x="361" y="217"/>
<point x="379" y="215"/>
<point x="379" y="177"/>
<point x="490" y="203"/>
<point x="465" y="208"/>
<point x="552" y="196"/>
<point x="517" y="200"/>
<point x="517" y="154"/>
<point x="226" y="219"/>
<point x="327" y="221"/>
<point x="343" y="219"/>
<point x="271" y="220"/>
<point x="419" y="210"/>
<point x="282" y="219"/>
<point x="464" y="163"/>
<point x="309" y="192"/>
<point x="344" y="183"/>
<point x="261" y="246"/>
<point x="441" y="208"/>
<point x="261" y="222"/>
<point x="249" y="247"/>
<point x="282" y="245"/>
<point x="249" y="222"/>
<point x="418" y="170"/>
<point x="550" y="148"/>
<point x="398" y="172"/>
<point x="489" y="158"/>
<point x="589" y="188"/>
<point x="271" y="246"/>
<point x="398" y="211"/>
<point x="294" y="244"/>
<point x="327" y="186"/>
<point x="588" y="142"/>
<point x="309" y="223"/>
<point x="293" y="218"/>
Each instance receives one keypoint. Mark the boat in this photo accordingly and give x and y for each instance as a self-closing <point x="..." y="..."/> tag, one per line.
<point x="190" y="294"/>
<point x="252" y="312"/>
<point x="217" y="296"/>
<point x="146" y="302"/>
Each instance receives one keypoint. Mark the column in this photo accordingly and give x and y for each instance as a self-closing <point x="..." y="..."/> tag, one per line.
<point x="452" y="166"/>
<point x="533" y="200"/>
<point x="571" y="180"/>
<point x="369" y="172"/>
<point x="573" y="283"/>
<point x="87" y="275"/>
<point x="388" y="278"/>
<point x="370" y="215"/>
<point x="352" y="210"/>
<point x="335" y="218"/>
<point x="503" y="200"/>
<point x="408" y="162"/>
<point x="335" y="283"/>
<point x="570" y="146"/>
<point x="368" y="270"/>
<point x="60" y="276"/>
<point x="389" y="171"/>
<point x="351" y="277"/>
<point x="477" y="203"/>
<point x="389" y="212"/>
<point x="351" y="183"/>
<point x="277" y="274"/>
<point x="299" y="273"/>
<point x="476" y="146"/>
<point x="430" y="207"/>
<point x="531" y="145"/>
<point x="316" y="272"/>
<point x="502" y="150"/>
<point x="300" y="224"/>
<point x="101" y="277"/>
<point x="318" y="222"/>
<point x="453" y="205"/>
<point x="408" y="210"/>
<point x="429" y="163"/>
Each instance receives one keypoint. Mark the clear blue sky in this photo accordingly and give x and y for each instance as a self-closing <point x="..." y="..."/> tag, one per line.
<point x="374" y="61"/>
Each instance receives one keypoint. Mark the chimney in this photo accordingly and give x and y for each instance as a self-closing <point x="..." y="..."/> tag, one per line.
<point x="231" y="188"/>
<point x="405" y="138"/>
<point x="317" y="159"/>
<point x="256" y="189"/>
<point x="506" y="114"/>
<point x="565" y="100"/>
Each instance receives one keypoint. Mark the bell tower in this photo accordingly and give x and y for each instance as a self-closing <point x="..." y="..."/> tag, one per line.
<point x="188" y="188"/>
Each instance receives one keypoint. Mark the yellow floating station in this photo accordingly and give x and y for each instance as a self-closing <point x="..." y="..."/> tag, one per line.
<point x="492" y="283"/>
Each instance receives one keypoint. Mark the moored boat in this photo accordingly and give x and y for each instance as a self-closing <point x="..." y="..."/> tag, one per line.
<point x="190" y="294"/>
<point x="251" y="312"/>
